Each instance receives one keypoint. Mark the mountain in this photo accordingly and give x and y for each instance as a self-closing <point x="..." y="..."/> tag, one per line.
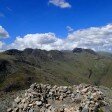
<point x="18" y="69"/>
<point x="80" y="50"/>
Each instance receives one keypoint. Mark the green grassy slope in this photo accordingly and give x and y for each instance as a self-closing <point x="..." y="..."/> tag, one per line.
<point x="18" y="71"/>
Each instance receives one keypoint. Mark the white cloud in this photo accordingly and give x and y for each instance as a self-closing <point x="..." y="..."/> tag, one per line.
<point x="60" y="3"/>
<point x="2" y="46"/>
<point x="96" y="38"/>
<point x="46" y="41"/>
<point x="70" y="29"/>
<point x="3" y="33"/>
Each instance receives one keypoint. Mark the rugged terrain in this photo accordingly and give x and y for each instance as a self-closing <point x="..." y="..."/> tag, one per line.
<point x="76" y="98"/>
<point x="19" y="69"/>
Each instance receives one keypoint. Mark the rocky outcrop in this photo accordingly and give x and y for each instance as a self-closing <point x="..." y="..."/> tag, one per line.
<point x="47" y="98"/>
<point x="13" y="52"/>
<point x="80" y="50"/>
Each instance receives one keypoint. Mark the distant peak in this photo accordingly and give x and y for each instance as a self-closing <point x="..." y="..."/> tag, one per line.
<point x="12" y="52"/>
<point x="80" y="50"/>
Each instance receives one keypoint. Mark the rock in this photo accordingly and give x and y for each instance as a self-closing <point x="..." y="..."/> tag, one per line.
<point x="33" y="86"/>
<point x="23" y="100"/>
<point x="61" y="110"/>
<point x="16" y="110"/>
<point x="38" y="103"/>
<point x="45" y="98"/>
<point x="65" y="89"/>
<point x="17" y="100"/>
<point x="31" y="110"/>
<point x="25" y="106"/>
<point x="84" y="90"/>
<point x="85" y="109"/>
<point x="48" y="105"/>
<point x="9" y="110"/>
<point x="21" y="106"/>
<point x="14" y="104"/>
<point x="73" y="95"/>
<point x="61" y="98"/>
<point x="36" y="109"/>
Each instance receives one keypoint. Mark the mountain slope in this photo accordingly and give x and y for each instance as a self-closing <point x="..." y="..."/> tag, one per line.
<point x="18" y="69"/>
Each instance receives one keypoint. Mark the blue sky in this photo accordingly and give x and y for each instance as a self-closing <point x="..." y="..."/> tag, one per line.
<point x="23" y="17"/>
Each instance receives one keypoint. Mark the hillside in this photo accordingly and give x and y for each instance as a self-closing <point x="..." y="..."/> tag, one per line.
<point x="18" y="69"/>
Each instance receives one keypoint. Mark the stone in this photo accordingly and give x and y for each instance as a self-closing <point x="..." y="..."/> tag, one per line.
<point x="33" y="86"/>
<point x="61" y="98"/>
<point x="61" y="110"/>
<point x="36" y="109"/>
<point x="9" y="110"/>
<point x="65" y="89"/>
<point x="73" y="95"/>
<point x="31" y="110"/>
<point x="14" y="104"/>
<point x="17" y="100"/>
<point x="21" y="106"/>
<point x="85" y="109"/>
<point x="23" y="100"/>
<point x="16" y="110"/>
<point x="48" y="105"/>
<point x="84" y="90"/>
<point x="38" y="103"/>
<point x="25" y="106"/>
<point x="45" y="98"/>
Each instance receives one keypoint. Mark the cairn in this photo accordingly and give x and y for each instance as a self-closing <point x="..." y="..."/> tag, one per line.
<point x="47" y="98"/>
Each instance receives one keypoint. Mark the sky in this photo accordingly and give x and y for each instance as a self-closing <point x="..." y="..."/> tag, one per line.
<point x="56" y="24"/>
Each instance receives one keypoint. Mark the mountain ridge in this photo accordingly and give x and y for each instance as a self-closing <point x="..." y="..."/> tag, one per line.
<point x="18" y="69"/>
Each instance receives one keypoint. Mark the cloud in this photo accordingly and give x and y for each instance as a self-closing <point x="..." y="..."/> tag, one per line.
<point x="3" y="33"/>
<point x="60" y="3"/>
<point x="96" y="38"/>
<point x="2" y="46"/>
<point x="70" y="29"/>
<point x="46" y="41"/>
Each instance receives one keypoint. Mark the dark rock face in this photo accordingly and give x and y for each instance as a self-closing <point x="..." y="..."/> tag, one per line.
<point x="80" y="50"/>
<point x="91" y="51"/>
<point x="13" y="52"/>
<point x="37" y="53"/>
<point x="5" y="67"/>
<point x="54" y="54"/>
<point x="77" y="50"/>
<point x="28" y="51"/>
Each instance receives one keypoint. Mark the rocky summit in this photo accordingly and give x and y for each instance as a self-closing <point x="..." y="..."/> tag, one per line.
<point x="47" y="98"/>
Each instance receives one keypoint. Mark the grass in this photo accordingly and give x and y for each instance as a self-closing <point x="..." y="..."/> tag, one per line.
<point x="69" y="70"/>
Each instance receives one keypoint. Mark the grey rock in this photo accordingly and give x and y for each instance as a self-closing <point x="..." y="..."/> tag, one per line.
<point x="9" y="110"/>
<point x="85" y="109"/>
<point x="31" y="110"/>
<point x="38" y="103"/>
<point x="45" y="98"/>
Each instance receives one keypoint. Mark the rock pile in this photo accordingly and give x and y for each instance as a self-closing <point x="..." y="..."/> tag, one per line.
<point x="47" y="98"/>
